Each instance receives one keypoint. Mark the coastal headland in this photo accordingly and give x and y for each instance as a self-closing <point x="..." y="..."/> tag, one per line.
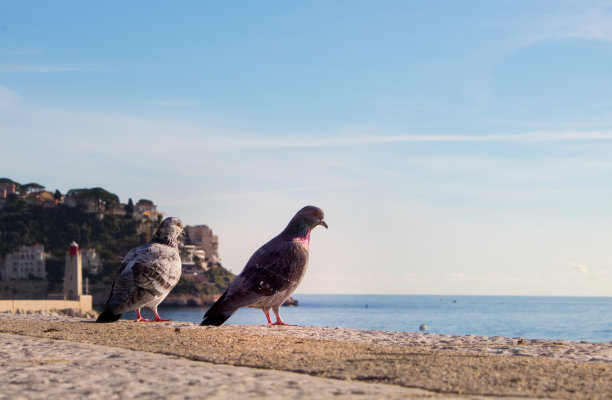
<point x="329" y="362"/>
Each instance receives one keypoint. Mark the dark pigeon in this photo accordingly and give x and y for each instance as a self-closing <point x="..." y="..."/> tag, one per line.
<point x="148" y="273"/>
<point x="272" y="273"/>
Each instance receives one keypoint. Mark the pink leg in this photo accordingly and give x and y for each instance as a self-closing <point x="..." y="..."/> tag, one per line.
<point x="267" y="312"/>
<point x="139" y="318"/>
<point x="279" y="320"/>
<point x="158" y="319"/>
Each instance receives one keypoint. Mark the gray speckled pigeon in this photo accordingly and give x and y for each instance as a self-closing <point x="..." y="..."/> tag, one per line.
<point x="272" y="273"/>
<point x="148" y="273"/>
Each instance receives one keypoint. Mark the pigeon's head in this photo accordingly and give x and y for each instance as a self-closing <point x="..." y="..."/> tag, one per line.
<point x="169" y="231"/>
<point x="305" y="220"/>
<point x="312" y="215"/>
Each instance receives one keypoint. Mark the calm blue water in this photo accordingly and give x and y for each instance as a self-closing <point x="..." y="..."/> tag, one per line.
<point x="568" y="318"/>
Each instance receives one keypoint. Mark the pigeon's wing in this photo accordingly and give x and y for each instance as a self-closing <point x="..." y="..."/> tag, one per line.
<point x="275" y="267"/>
<point x="153" y="277"/>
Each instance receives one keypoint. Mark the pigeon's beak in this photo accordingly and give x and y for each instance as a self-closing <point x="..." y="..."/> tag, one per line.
<point x="323" y="223"/>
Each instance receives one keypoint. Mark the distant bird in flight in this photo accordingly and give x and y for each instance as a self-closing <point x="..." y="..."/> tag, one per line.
<point x="148" y="273"/>
<point x="272" y="273"/>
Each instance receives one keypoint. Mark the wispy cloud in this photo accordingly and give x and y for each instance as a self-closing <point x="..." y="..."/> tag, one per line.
<point x="588" y="22"/>
<point x="211" y="137"/>
<point x="170" y="103"/>
<point x="594" y="24"/>
<point x="365" y="140"/>
<point x="579" y="268"/>
<point x="261" y="193"/>
<point x="50" y="68"/>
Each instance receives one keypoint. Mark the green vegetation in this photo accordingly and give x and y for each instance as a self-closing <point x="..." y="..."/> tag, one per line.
<point x="129" y="208"/>
<point x="104" y="200"/>
<point x="31" y="187"/>
<point x="55" y="227"/>
<point x="215" y="280"/>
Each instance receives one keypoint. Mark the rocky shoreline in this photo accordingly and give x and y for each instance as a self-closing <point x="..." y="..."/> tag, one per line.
<point x="204" y="300"/>
<point x="374" y="364"/>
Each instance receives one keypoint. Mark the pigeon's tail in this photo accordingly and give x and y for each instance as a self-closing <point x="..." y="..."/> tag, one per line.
<point x="215" y="320"/>
<point x="218" y="313"/>
<point x="108" y="316"/>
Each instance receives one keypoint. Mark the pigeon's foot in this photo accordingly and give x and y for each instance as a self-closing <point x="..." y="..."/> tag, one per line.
<point x="281" y="323"/>
<point x="158" y="319"/>
<point x="279" y="320"/>
<point x="139" y="318"/>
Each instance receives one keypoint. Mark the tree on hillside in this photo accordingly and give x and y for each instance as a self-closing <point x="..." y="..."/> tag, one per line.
<point x="129" y="209"/>
<point x="101" y="199"/>
<point x="31" y="188"/>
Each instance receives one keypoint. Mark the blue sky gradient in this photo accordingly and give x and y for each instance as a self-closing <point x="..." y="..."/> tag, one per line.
<point x="456" y="147"/>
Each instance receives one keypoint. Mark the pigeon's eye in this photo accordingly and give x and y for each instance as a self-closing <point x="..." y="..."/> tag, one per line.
<point x="315" y="213"/>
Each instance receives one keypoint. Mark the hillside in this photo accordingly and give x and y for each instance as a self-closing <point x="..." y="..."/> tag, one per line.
<point x="55" y="227"/>
<point x="93" y="218"/>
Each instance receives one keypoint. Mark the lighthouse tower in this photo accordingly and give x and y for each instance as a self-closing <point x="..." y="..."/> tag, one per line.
<point x="73" y="273"/>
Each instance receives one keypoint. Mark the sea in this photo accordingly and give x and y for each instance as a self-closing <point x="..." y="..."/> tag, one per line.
<point x="557" y="318"/>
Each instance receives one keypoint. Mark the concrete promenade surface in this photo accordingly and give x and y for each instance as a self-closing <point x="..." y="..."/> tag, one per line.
<point x="62" y="357"/>
<point x="83" y="305"/>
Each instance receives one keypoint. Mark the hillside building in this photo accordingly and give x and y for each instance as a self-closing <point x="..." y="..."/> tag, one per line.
<point x="118" y="210"/>
<point x="193" y="259"/>
<point x="31" y="295"/>
<point x="26" y="263"/>
<point x="41" y="198"/>
<point x="202" y="236"/>
<point x="145" y="209"/>
<point x="91" y="261"/>
<point x="7" y="188"/>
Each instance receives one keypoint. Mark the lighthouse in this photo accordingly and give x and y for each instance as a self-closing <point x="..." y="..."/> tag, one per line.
<point x="73" y="273"/>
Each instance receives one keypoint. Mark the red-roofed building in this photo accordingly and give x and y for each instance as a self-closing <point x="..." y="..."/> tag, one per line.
<point x="7" y="188"/>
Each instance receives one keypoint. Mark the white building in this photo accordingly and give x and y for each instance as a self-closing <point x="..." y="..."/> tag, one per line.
<point x="189" y="255"/>
<point x="202" y="236"/>
<point x="146" y="210"/>
<point x="26" y="263"/>
<point x="91" y="261"/>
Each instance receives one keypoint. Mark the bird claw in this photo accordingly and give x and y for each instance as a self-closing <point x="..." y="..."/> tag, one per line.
<point x="157" y="319"/>
<point x="140" y="319"/>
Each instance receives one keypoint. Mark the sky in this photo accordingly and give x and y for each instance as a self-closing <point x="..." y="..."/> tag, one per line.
<point x="455" y="147"/>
